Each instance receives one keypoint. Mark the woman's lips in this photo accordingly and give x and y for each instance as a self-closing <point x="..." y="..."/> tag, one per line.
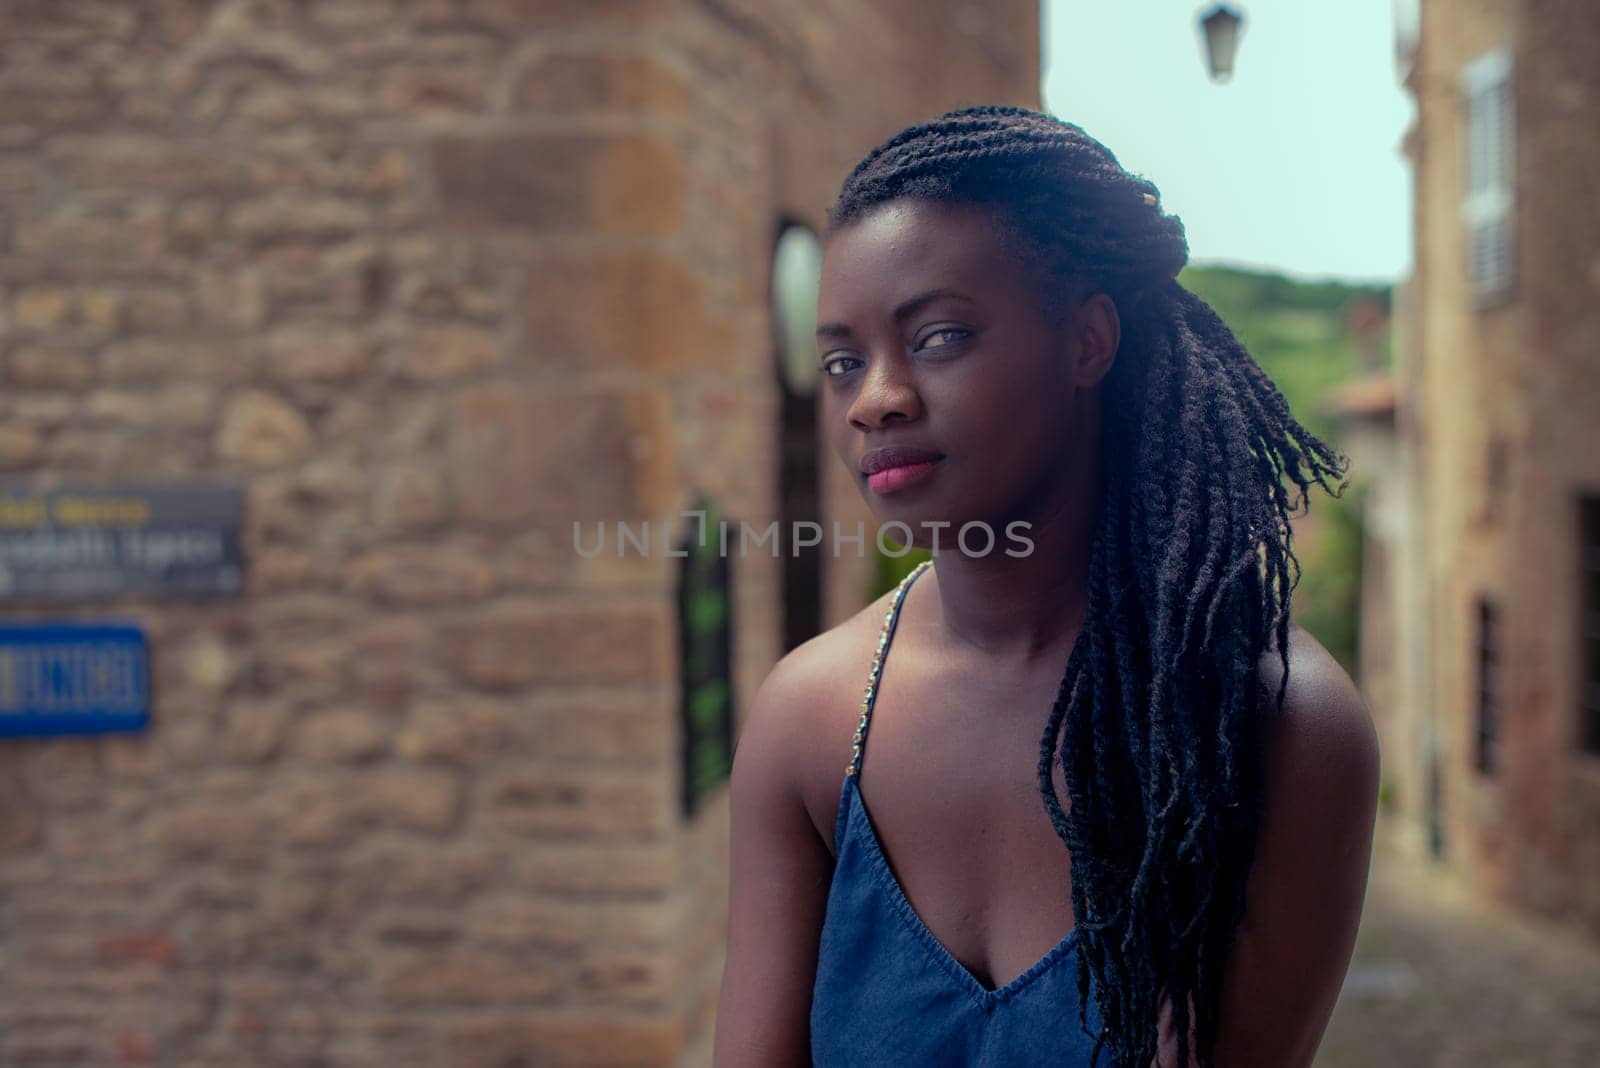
<point x="891" y="479"/>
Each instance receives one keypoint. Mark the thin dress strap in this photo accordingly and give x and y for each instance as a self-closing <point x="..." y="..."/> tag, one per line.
<point x="890" y="618"/>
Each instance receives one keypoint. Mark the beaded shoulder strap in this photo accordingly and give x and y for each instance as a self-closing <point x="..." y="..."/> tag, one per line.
<point x="889" y="619"/>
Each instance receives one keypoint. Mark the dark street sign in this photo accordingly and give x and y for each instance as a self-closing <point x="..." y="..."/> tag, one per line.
<point x="76" y="543"/>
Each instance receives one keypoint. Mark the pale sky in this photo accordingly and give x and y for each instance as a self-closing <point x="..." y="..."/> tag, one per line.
<point x="1294" y="165"/>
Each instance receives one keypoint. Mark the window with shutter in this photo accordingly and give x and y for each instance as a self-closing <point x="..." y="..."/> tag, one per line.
<point x="1491" y="138"/>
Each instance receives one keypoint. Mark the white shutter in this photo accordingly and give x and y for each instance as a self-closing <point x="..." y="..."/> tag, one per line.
<point x="1488" y="206"/>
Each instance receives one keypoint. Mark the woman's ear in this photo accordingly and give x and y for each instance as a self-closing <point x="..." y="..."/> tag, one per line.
<point x="1095" y="331"/>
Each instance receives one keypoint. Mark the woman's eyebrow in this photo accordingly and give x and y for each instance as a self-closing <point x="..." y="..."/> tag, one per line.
<point x="904" y="310"/>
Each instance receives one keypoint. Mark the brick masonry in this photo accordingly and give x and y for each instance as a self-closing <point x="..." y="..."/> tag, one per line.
<point x="1501" y="425"/>
<point x="430" y="279"/>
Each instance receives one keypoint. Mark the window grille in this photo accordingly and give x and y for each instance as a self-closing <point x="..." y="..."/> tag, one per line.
<point x="1488" y="685"/>
<point x="1589" y="638"/>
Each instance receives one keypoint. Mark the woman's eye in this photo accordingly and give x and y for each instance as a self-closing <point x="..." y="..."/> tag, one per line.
<point x="838" y="365"/>
<point x="945" y="332"/>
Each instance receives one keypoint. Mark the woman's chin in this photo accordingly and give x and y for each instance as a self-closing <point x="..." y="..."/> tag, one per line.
<point x="918" y="528"/>
<point x="943" y="529"/>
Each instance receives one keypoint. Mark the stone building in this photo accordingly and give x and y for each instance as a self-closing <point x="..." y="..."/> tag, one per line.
<point x="427" y="281"/>
<point x="1489" y="542"/>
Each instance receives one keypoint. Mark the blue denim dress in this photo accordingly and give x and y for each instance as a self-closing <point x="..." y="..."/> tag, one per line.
<point x="888" y="993"/>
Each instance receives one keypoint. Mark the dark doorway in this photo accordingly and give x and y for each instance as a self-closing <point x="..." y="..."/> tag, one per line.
<point x="796" y="272"/>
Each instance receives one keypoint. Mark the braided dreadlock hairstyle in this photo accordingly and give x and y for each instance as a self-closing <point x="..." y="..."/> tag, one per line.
<point x="1159" y="718"/>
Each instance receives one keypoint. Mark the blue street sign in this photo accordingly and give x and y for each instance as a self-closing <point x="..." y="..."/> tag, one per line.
<point x="62" y="677"/>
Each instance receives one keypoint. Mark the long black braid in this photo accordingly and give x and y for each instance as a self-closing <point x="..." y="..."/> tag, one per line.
<point x="1159" y="719"/>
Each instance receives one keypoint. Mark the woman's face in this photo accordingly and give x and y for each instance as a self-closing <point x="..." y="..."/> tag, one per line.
<point x="933" y="340"/>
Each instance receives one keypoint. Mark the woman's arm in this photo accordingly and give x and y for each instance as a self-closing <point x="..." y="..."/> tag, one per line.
<point x="780" y="875"/>
<point x="1306" y="886"/>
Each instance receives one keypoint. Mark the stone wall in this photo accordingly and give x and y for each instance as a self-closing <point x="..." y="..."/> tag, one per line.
<point x="1502" y="413"/>
<point x="1554" y="785"/>
<point x="430" y="280"/>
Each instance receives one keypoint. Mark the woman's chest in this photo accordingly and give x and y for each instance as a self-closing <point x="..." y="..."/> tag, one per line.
<point x="949" y="776"/>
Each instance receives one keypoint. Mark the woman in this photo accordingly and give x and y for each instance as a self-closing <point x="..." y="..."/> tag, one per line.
<point x="1003" y="341"/>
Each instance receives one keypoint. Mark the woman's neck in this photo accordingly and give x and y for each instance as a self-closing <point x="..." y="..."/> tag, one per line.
<point x="1023" y="608"/>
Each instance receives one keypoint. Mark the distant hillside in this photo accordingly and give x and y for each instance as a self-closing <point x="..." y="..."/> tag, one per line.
<point x="1295" y="330"/>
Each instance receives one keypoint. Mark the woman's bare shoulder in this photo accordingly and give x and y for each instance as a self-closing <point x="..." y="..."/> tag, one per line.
<point x="1325" y="725"/>
<point x="1303" y="900"/>
<point x="799" y="724"/>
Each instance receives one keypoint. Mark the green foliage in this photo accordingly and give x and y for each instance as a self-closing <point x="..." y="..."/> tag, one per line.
<point x="1328" y="600"/>
<point x="708" y="704"/>
<point x="1295" y="330"/>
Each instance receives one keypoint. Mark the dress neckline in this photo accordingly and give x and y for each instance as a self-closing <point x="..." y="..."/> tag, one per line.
<point x="853" y="804"/>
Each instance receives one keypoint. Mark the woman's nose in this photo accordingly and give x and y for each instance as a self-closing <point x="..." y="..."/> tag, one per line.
<point x="888" y="394"/>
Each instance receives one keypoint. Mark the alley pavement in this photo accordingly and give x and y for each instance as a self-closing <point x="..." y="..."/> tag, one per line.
<point x="1441" y="979"/>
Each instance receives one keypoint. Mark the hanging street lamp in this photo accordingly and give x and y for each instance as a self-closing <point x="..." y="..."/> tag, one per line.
<point x="1219" y="26"/>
